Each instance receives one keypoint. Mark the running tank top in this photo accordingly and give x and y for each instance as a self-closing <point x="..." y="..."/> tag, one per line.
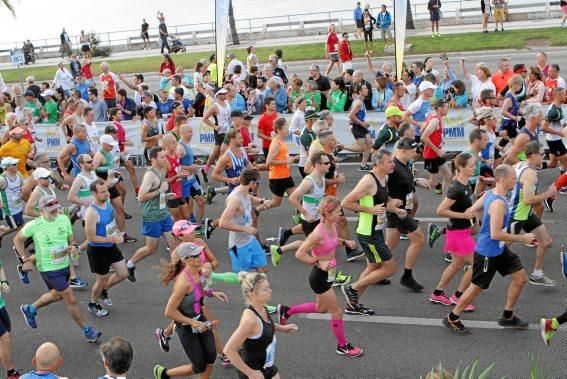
<point x="330" y="241"/>
<point x="83" y="147"/>
<point x="513" y="109"/>
<point x="11" y="195"/>
<point x="280" y="171"/>
<point x="532" y="136"/>
<point x="436" y="137"/>
<point x="238" y="165"/>
<point x="153" y="128"/>
<point x="174" y="169"/>
<point x="518" y="209"/>
<point x="223" y="118"/>
<point x="106" y="225"/>
<point x="187" y="160"/>
<point x="85" y="192"/>
<point x="190" y="305"/>
<point x="361" y="114"/>
<point x="258" y="351"/>
<point x="310" y="201"/>
<point x="367" y="222"/>
<point x="107" y="165"/>
<point x="240" y="239"/>
<point x="155" y="209"/>
<point x="485" y="245"/>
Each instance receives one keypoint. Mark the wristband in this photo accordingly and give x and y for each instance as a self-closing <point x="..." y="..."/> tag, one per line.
<point x="209" y="293"/>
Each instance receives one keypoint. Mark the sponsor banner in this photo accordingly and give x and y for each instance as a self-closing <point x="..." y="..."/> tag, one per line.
<point x="456" y="132"/>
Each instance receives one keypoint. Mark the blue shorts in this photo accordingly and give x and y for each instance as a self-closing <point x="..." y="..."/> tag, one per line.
<point x="15" y="221"/>
<point x="155" y="229"/>
<point x="5" y="325"/>
<point x="191" y="188"/>
<point x="57" y="280"/>
<point x="247" y="258"/>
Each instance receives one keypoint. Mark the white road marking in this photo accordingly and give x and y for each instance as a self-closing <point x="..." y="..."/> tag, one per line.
<point x="440" y="219"/>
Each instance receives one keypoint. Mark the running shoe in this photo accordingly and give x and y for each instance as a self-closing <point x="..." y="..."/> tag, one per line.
<point x="448" y="258"/>
<point x="159" y="370"/>
<point x="364" y="168"/>
<point x="29" y="316"/>
<point x="210" y="194"/>
<point x="403" y="236"/>
<point x="456" y="327"/>
<point x="543" y="281"/>
<point x="77" y="283"/>
<point x="548" y="204"/>
<point x="547" y="330"/>
<point x="106" y="300"/>
<point x="272" y="309"/>
<point x="353" y="255"/>
<point x="439" y="189"/>
<point x="359" y="309"/>
<point x="432" y="234"/>
<point x="127" y="216"/>
<point x="129" y="239"/>
<point x="440" y="299"/>
<point x="23" y="275"/>
<point x="131" y="274"/>
<point x="225" y="362"/>
<point x="97" y="310"/>
<point x="266" y="249"/>
<point x="512" y="323"/>
<point x="209" y="228"/>
<point x="276" y="254"/>
<point x="341" y="279"/>
<point x="563" y="191"/>
<point x="204" y="175"/>
<point x="92" y="334"/>
<point x="410" y="283"/>
<point x="351" y="296"/>
<point x="282" y="236"/>
<point x="455" y="300"/>
<point x="532" y="244"/>
<point x="563" y="259"/>
<point x="199" y="231"/>
<point x="162" y="339"/>
<point x="192" y="218"/>
<point x="282" y="314"/>
<point x="349" y="350"/>
<point x="384" y="282"/>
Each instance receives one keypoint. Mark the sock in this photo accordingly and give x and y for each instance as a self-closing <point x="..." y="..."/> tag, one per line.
<point x="507" y="314"/>
<point x="338" y="329"/>
<point x="11" y="372"/>
<point x="288" y="233"/>
<point x="92" y="303"/>
<point x="33" y="309"/>
<point x="537" y="273"/>
<point x="225" y="277"/>
<point x="129" y="264"/>
<point x="554" y="323"/>
<point x="458" y="294"/>
<point x="453" y="317"/>
<point x="407" y="273"/>
<point x="85" y="328"/>
<point x="302" y="308"/>
<point x="438" y="292"/>
<point x="562" y="319"/>
<point x="164" y="375"/>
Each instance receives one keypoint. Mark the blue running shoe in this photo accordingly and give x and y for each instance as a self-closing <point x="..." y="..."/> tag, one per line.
<point x="192" y="219"/>
<point x="23" y="275"/>
<point x="564" y="263"/>
<point x="29" y="316"/>
<point x="77" y="283"/>
<point x="91" y="334"/>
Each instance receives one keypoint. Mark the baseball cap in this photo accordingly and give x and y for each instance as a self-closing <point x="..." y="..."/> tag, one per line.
<point x="221" y="91"/>
<point x="311" y="114"/>
<point x="48" y="92"/>
<point x="107" y="138"/>
<point x="519" y="68"/>
<point x="17" y="130"/>
<point x="236" y="113"/>
<point x="392" y="110"/>
<point x="483" y="113"/>
<point x="48" y="203"/>
<point x="9" y="161"/>
<point x="425" y="85"/>
<point x="188" y="249"/>
<point x="407" y="144"/>
<point x="41" y="173"/>
<point x="183" y="227"/>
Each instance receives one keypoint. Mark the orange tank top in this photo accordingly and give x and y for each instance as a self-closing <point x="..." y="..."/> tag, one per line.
<point x="280" y="171"/>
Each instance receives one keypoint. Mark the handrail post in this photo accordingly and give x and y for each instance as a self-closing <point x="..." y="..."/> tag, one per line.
<point x="108" y="36"/>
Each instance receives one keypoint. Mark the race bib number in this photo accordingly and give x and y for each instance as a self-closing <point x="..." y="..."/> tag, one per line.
<point x="162" y="203"/>
<point x="111" y="229"/>
<point x="380" y="221"/>
<point x="409" y="200"/>
<point x="58" y="254"/>
<point x="271" y="353"/>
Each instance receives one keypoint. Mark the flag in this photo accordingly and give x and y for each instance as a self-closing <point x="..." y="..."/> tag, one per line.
<point x="400" y="9"/>
<point x="221" y="24"/>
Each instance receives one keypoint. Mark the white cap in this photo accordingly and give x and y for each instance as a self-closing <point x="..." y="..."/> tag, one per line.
<point x="8" y="161"/>
<point x="41" y="173"/>
<point x="107" y="138"/>
<point x="48" y="92"/>
<point x="221" y="91"/>
<point x="426" y="85"/>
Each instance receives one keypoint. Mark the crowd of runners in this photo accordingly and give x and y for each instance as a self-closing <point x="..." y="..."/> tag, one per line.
<point x="488" y="191"/>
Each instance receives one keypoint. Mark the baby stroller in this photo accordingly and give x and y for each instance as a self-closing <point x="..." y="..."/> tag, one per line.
<point x="176" y="44"/>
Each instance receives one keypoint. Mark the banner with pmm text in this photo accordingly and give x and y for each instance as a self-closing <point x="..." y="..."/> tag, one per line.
<point x="221" y="23"/>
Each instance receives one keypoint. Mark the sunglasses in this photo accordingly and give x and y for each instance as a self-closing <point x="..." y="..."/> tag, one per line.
<point x="51" y="203"/>
<point x="254" y="181"/>
<point x="325" y="163"/>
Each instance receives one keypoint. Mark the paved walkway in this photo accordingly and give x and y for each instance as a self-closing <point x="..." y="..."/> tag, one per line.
<point x="450" y="29"/>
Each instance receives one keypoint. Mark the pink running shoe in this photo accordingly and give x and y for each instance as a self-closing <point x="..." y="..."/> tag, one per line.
<point x="455" y="300"/>
<point x="440" y="299"/>
<point x="349" y="350"/>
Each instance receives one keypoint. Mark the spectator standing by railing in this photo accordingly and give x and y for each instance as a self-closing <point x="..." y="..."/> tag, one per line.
<point x="85" y="44"/>
<point x="145" y="34"/>
<point x="332" y="50"/>
<point x="383" y="21"/>
<point x="485" y="14"/>
<point x="434" y="8"/>
<point x="345" y="52"/>
<point x="358" y="20"/>
<point x="368" y="22"/>
<point x="163" y="34"/>
<point x="65" y="48"/>
<point x="499" y="14"/>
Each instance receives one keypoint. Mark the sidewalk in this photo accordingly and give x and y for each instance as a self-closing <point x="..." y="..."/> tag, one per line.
<point x="298" y="40"/>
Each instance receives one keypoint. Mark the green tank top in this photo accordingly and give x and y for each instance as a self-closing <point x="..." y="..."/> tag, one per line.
<point x="520" y="210"/>
<point x="155" y="209"/>
<point x="367" y="222"/>
<point x="108" y="162"/>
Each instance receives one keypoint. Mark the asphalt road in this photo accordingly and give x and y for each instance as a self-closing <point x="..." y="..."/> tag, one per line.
<point x="404" y="339"/>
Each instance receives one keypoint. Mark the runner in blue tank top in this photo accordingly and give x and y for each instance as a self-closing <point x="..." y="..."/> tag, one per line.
<point x="492" y="255"/>
<point x="78" y="145"/>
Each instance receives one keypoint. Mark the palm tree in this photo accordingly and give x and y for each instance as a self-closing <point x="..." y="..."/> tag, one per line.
<point x="232" y="22"/>
<point x="8" y="4"/>
<point x="409" y="17"/>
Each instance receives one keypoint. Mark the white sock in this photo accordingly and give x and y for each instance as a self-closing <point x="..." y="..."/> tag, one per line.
<point x="129" y="264"/>
<point x="537" y="273"/>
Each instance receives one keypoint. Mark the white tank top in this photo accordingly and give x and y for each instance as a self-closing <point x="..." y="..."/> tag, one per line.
<point x="11" y="195"/>
<point x="223" y="118"/>
<point x="310" y="201"/>
<point x="240" y="239"/>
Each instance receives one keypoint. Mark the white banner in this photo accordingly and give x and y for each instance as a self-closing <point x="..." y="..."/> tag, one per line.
<point x="221" y="23"/>
<point x="456" y="132"/>
<point x="400" y="9"/>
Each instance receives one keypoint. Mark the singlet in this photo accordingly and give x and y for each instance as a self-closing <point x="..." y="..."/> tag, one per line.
<point x="82" y="147"/>
<point x="107" y="165"/>
<point x="106" y="225"/>
<point x="93" y="137"/>
<point x="518" y="209"/>
<point x="190" y="305"/>
<point x="514" y="109"/>
<point x="240" y="239"/>
<point x="223" y="118"/>
<point x="367" y="222"/>
<point x="361" y="114"/>
<point x="187" y="160"/>
<point x="305" y="140"/>
<point x="436" y="138"/>
<point x="485" y="245"/>
<point x="85" y="192"/>
<point x="238" y="165"/>
<point x="280" y="171"/>
<point x="554" y="116"/>
<point x="174" y="169"/>
<point x="330" y="241"/>
<point x="310" y="201"/>
<point x="533" y="137"/>
<point x="155" y="209"/>
<point x="153" y="129"/>
<point x="11" y="194"/>
<point x="258" y="351"/>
